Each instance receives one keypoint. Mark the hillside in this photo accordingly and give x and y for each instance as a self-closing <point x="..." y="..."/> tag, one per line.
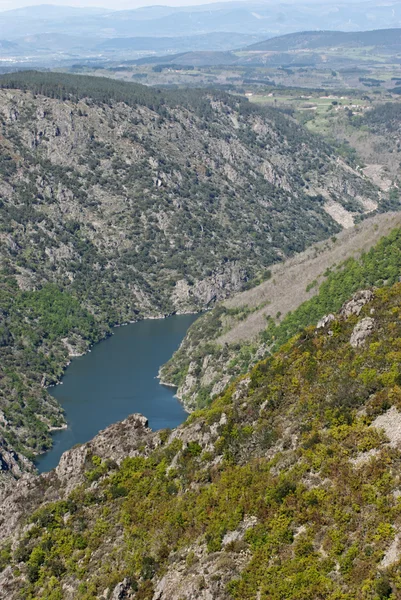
<point x="287" y="487"/>
<point x="314" y="40"/>
<point x="39" y="46"/>
<point x="226" y="341"/>
<point x="120" y="202"/>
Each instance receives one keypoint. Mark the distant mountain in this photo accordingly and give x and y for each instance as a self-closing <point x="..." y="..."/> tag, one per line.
<point x="50" y="11"/>
<point x="56" y="42"/>
<point x="313" y="40"/>
<point x="258" y="17"/>
<point x="230" y="24"/>
<point x="252" y="18"/>
<point x="6" y="45"/>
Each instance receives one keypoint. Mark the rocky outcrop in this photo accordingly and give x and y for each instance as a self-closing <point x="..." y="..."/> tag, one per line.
<point x="123" y="590"/>
<point x="11" y="463"/>
<point x="362" y="331"/>
<point x="355" y="305"/>
<point x="205" y="579"/>
<point x="220" y="285"/>
<point x="118" y="441"/>
<point x="324" y="321"/>
<point x="196" y="574"/>
<point x="126" y="438"/>
<point x="390" y="423"/>
<point x="363" y="328"/>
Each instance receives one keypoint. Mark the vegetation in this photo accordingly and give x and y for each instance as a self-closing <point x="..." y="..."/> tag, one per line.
<point x="100" y="90"/>
<point x="384" y="38"/>
<point x="292" y="446"/>
<point x="379" y="267"/>
<point x="119" y="201"/>
<point x="384" y="118"/>
<point x="32" y="327"/>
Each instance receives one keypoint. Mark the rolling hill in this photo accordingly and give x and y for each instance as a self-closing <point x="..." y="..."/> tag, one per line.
<point x="385" y="39"/>
<point x="220" y="19"/>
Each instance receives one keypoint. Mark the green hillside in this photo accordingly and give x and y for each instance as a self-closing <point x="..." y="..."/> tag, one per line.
<point x="205" y="358"/>
<point x="287" y="487"/>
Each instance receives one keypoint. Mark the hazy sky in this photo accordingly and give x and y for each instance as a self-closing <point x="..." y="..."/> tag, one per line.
<point x="116" y="4"/>
<point x="126" y="4"/>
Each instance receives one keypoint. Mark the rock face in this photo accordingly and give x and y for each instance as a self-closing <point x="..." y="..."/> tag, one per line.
<point x="118" y="441"/>
<point x="355" y="305"/>
<point x="324" y="321"/>
<point x="126" y="438"/>
<point x="206" y="579"/>
<point x="390" y="423"/>
<point x="10" y="462"/>
<point x="198" y="575"/>
<point x="123" y="590"/>
<point x="362" y="330"/>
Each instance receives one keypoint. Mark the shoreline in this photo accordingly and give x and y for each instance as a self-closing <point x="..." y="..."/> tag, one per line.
<point x="71" y="357"/>
<point x="124" y="324"/>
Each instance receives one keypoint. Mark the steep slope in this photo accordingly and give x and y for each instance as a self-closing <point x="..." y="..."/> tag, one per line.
<point x="240" y="331"/>
<point x="384" y="119"/>
<point x="119" y="202"/>
<point x="287" y="487"/>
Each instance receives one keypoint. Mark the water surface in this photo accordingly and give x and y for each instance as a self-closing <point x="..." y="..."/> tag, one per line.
<point x="118" y="378"/>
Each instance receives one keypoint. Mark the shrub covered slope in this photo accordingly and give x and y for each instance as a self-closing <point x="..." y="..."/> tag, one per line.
<point x="286" y="488"/>
<point x="206" y="362"/>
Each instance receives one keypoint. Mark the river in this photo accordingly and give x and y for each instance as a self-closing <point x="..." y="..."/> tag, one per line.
<point x="118" y="378"/>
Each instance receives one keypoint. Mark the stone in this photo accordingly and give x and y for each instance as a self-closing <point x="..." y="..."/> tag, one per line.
<point x="355" y="305"/>
<point x="326" y="320"/>
<point x="390" y="422"/>
<point x="362" y="330"/>
<point x="122" y="590"/>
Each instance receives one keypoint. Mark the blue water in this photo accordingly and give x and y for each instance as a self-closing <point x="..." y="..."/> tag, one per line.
<point x="118" y="378"/>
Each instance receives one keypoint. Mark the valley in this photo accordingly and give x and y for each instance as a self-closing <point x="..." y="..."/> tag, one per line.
<point x="200" y="265"/>
<point x="98" y="228"/>
<point x="243" y="330"/>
